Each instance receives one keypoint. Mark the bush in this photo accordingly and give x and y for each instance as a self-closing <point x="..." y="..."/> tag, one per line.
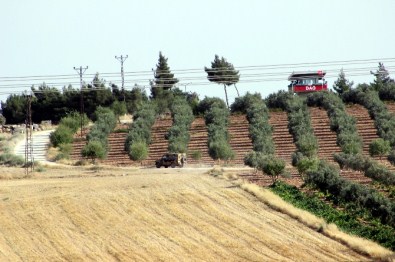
<point x="11" y="160"/>
<point x="140" y="130"/>
<point x="379" y="147"/>
<point x="93" y="150"/>
<point x="138" y="151"/>
<point x="271" y="166"/>
<point x="62" y="135"/>
<point x="216" y="118"/>
<point x="305" y="165"/>
<point x="196" y="155"/>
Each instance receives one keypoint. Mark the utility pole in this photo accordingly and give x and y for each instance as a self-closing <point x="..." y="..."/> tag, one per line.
<point x="122" y="59"/>
<point x="81" y="70"/>
<point x="29" y="161"/>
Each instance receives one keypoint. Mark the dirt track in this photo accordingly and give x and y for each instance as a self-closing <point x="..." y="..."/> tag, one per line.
<point x="149" y="214"/>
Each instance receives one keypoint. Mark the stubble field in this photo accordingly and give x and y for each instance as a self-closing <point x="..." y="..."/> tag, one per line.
<point x="78" y="214"/>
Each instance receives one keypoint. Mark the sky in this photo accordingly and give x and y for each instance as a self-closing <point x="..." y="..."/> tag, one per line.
<point x="47" y="38"/>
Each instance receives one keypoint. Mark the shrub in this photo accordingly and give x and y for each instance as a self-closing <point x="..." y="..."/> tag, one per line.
<point x="62" y="135"/>
<point x="138" y="151"/>
<point x="93" y="150"/>
<point x="196" y="155"/>
<point x="379" y="147"/>
<point x="11" y="160"/>
<point x="271" y="166"/>
<point x="305" y="165"/>
<point x="140" y="130"/>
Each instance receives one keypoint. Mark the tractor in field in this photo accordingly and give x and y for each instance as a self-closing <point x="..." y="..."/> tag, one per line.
<point x="172" y="160"/>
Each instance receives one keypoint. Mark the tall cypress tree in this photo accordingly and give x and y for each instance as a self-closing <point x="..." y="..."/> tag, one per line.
<point x="342" y="84"/>
<point x="164" y="79"/>
<point x="222" y="72"/>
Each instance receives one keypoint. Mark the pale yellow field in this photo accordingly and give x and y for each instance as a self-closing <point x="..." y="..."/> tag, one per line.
<point x="148" y="214"/>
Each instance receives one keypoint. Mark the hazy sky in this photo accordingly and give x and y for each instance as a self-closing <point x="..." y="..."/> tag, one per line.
<point x="49" y="38"/>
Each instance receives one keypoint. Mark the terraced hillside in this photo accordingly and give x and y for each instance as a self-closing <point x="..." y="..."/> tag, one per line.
<point x="326" y="137"/>
<point x="78" y="143"/>
<point x="198" y="143"/>
<point x="327" y="143"/>
<point x="239" y="138"/>
<point x="365" y="125"/>
<point x="116" y="154"/>
<point x="283" y="140"/>
<point x="159" y="144"/>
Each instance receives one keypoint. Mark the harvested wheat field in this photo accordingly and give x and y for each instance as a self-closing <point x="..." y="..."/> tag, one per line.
<point x="148" y="214"/>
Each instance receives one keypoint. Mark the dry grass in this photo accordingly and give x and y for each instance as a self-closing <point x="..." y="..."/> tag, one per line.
<point x="358" y="244"/>
<point x="113" y="214"/>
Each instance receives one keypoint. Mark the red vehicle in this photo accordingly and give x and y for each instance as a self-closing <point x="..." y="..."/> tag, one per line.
<point x="305" y="82"/>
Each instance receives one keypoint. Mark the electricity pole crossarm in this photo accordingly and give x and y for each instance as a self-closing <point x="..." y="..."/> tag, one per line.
<point x="122" y="59"/>
<point x="81" y="70"/>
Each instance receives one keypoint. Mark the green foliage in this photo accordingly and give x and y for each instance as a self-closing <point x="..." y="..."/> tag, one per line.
<point x="279" y="100"/>
<point x="299" y="124"/>
<point x="140" y="130"/>
<point x="379" y="147"/>
<point x="326" y="178"/>
<point x="163" y="82"/>
<point x="343" y="124"/>
<point x="271" y="166"/>
<point x="73" y="121"/>
<point x="196" y="155"/>
<point x="65" y="151"/>
<point x="222" y="72"/>
<point x="2" y="120"/>
<point x="305" y="165"/>
<point x="346" y="219"/>
<point x="119" y="108"/>
<point x="104" y="125"/>
<point x="138" y="151"/>
<point x="14" y="109"/>
<point x="93" y="150"/>
<point x="216" y="117"/>
<point x="342" y="85"/>
<point x="62" y="135"/>
<point x="369" y="98"/>
<point x="371" y="168"/>
<point x="178" y="134"/>
<point x="8" y="159"/>
<point x="257" y="115"/>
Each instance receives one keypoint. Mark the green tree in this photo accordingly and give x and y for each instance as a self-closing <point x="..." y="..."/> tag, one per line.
<point x="138" y="151"/>
<point x="379" y="147"/>
<point x="164" y="79"/>
<point x="119" y="109"/>
<point x="222" y="72"/>
<point x="271" y="166"/>
<point x="14" y="109"/>
<point x="382" y="75"/>
<point x="305" y="165"/>
<point x="93" y="150"/>
<point x="342" y="84"/>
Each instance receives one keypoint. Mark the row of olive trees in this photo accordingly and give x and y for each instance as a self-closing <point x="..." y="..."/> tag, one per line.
<point x="262" y="157"/>
<point x="326" y="178"/>
<point x="343" y="124"/>
<point x="178" y="134"/>
<point x="216" y="116"/>
<point x="97" y="138"/>
<point x="299" y="124"/>
<point x="139" y="136"/>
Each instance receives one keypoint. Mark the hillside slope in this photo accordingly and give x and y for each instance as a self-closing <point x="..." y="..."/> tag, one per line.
<point x="150" y="214"/>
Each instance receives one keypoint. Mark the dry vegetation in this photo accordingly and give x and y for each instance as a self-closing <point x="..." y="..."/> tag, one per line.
<point x="114" y="214"/>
